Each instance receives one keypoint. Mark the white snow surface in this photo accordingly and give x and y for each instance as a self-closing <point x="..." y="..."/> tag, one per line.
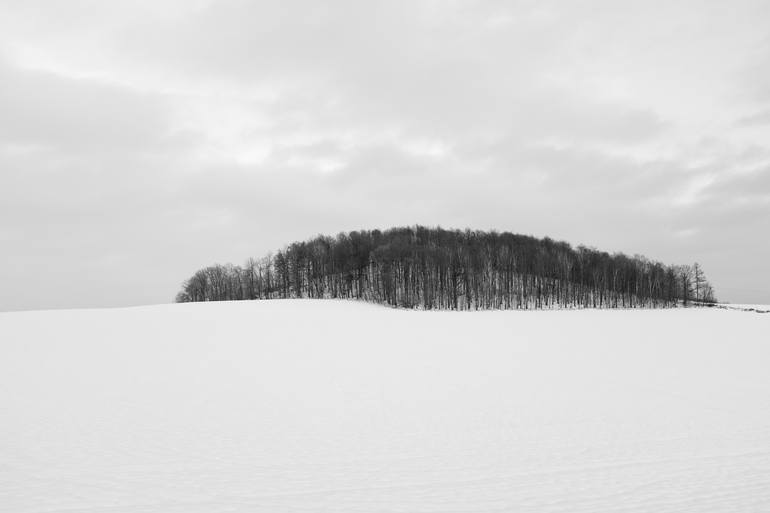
<point x="748" y="308"/>
<point x="332" y="406"/>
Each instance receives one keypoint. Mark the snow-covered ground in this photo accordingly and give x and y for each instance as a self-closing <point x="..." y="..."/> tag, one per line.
<point x="748" y="308"/>
<point x="308" y="406"/>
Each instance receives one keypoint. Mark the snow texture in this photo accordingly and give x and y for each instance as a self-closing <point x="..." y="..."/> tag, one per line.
<point x="330" y="406"/>
<point x="745" y="308"/>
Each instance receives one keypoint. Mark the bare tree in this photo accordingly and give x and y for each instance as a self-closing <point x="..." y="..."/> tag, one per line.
<point x="421" y="267"/>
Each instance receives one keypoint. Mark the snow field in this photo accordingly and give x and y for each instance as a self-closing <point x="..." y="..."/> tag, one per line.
<point x="300" y="405"/>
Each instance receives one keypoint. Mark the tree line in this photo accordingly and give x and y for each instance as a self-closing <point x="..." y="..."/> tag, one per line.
<point x="435" y="268"/>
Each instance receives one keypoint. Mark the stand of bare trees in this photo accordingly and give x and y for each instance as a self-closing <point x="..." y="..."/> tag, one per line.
<point x="433" y="268"/>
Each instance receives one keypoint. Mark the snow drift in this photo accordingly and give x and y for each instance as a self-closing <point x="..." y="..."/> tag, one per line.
<point x="302" y="405"/>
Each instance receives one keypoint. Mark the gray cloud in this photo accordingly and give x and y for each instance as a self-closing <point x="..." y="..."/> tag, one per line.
<point x="42" y="109"/>
<point x="758" y="119"/>
<point x="141" y="141"/>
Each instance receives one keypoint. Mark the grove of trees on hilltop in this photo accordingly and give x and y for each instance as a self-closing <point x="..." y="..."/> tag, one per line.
<point x="434" y="268"/>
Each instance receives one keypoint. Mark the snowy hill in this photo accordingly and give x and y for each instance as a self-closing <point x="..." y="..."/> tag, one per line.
<point x="301" y="405"/>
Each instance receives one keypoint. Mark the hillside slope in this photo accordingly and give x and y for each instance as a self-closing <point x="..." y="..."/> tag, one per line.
<point x="310" y="405"/>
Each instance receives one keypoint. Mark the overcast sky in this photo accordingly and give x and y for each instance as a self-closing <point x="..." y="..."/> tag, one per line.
<point x="142" y="140"/>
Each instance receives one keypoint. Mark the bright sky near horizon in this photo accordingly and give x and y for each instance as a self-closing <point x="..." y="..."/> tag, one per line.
<point x="140" y="141"/>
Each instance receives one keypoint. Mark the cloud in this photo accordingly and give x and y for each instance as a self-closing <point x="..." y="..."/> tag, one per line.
<point x="143" y="140"/>
<point x="45" y="110"/>
<point x="758" y="119"/>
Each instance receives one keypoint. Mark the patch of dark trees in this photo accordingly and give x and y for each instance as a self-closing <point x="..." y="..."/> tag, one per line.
<point x="434" y="268"/>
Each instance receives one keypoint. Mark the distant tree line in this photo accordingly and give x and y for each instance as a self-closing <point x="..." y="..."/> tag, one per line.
<point x="434" y="268"/>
